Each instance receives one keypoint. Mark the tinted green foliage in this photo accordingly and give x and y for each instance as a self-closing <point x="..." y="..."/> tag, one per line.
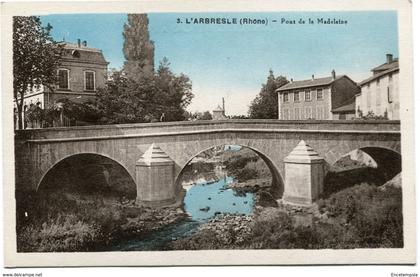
<point x="34" y="64"/>
<point x="138" y="48"/>
<point x="163" y="97"/>
<point x="363" y="216"/>
<point x="68" y="222"/>
<point x="265" y="105"/>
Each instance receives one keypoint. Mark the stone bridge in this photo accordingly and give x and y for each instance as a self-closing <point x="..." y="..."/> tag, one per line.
<point x="37" y="151"/>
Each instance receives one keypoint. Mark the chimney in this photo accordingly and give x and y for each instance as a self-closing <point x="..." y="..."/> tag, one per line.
<point x="78" y="42"/>
<point x="291" y="80"/>
<point x="313" y="77"/>
<point x="223" y="104"/>
<point x="333" y="74"/>
<point x="388" y="58"/>
<point x="84" y="43"/>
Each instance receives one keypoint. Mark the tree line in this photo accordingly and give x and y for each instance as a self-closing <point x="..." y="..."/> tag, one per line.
<point x="137" y="93"/>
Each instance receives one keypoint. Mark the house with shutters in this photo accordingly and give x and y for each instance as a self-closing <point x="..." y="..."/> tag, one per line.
<point x="81" y="72"/>
<point x="379" y="95"/>
<point x="326" y="98"/>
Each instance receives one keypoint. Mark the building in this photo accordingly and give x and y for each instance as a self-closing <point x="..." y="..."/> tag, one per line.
<point x="379" y="95"/>
<point x="81" y="72"/>
<point x="318" y="98"/>
<point x="219" y="112"/>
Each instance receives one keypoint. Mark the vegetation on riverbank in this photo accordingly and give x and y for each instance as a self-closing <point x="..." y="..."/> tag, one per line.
<point x="65" y="222"/>
<point x="355" y="212"/>
<point x="245" y="164"/>
<point x="363" y="216"/>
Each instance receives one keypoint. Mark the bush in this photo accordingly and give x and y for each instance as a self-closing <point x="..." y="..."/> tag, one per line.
<point x="374" y="212"/>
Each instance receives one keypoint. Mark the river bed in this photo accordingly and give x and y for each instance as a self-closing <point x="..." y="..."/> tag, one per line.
<point x="203" y="201"/>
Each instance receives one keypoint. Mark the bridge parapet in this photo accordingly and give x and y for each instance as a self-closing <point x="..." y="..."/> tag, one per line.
<point x="168" y="128"/>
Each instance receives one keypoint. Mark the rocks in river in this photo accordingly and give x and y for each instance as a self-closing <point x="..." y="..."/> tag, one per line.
<point x="233" y="204"/>
<point x="209" y="198"/>
<point x="226" y="225"/>
<point x="205" y="209"/>
<point x="245" y="202"/>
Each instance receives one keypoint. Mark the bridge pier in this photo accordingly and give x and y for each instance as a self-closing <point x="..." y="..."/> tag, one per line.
<point x="155" y="174"/>
<point x="304" y="176"/>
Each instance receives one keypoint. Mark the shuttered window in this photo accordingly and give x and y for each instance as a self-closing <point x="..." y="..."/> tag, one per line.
<point x="63" y="79"/>
<point x="89" y="80"/>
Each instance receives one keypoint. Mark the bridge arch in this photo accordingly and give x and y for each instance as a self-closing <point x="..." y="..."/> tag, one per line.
<point x="334" y="153"/>
<point x="385" y="157"/>
<point x="78" y="161"/>
<point x="277" y="185"/>
<point x="382" y="164"/>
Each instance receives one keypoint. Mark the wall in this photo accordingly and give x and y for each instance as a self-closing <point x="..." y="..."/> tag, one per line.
<point x="344" y="116"/>
<point x="343" y="89"/>
<point x="374" y="96"/>
<point x="314" y="109"/>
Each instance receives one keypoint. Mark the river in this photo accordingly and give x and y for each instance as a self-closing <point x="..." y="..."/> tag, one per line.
<point x="204" y="199"/>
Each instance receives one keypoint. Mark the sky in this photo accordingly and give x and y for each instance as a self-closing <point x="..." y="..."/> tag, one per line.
<point x="233" y="60"/>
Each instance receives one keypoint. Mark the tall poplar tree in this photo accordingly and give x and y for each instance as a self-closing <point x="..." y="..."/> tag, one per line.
<point x="138" y="48"/>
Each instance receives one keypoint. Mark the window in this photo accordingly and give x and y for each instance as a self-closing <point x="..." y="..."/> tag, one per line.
<point x="389" y="91"/>
<point x="378" y="81"/>
<point x="307" y="95"/>
<point x="63" y="78"/>
<point x="89" y="80"/>
<point x="308" y="113"/>
<point x="319" y="94"/>
<point x="296" y="113"/>
<point x="286" y="97"/>
<point x="296" y="96"/>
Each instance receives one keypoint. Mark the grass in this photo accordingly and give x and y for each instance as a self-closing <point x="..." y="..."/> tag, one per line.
<point x="63" y="222"/>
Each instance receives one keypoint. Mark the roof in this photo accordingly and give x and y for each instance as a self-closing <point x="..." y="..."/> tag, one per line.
<point x="376" y="76"/>
<point x="218" y="109"/>
<point x="386" y="66"/>
<point x="72" y="52"/>
<point x="309" y="83"/>
<point x="348" y="106"/>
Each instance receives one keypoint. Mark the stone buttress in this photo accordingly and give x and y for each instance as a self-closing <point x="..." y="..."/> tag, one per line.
<point x="155" y="172"/>
<point x="304" y="175"/>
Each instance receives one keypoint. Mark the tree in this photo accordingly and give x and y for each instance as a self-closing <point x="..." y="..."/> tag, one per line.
<point x="199" y="116"/>
<point x="138" y="94"/>
<point x="162" y="96"/>
<point x="174" y="92"/>
<point x="124" y="100"/>
<point x="265" y="105"/>
<point x="138" y="48"/>
<point x="35" y="58"/>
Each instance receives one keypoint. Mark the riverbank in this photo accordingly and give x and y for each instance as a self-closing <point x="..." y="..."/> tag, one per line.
<point x="363" y="216"/>
<point x="69" y="224"/>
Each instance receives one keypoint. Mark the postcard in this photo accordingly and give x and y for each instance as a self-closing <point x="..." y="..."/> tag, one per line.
<point x="208" y="133"/>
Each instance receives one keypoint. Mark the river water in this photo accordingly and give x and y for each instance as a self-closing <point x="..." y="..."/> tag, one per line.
<point x="203" y="200"/>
